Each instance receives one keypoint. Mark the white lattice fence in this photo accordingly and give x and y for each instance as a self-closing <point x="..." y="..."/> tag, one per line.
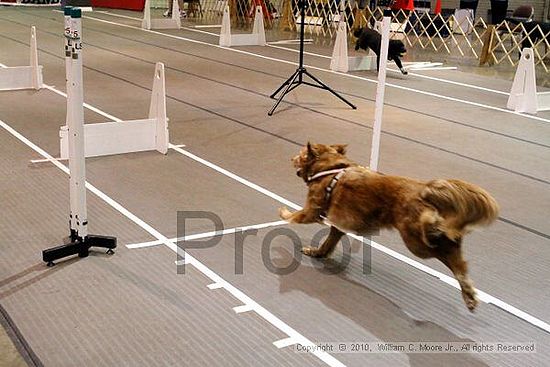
<point x="508" y="40"/>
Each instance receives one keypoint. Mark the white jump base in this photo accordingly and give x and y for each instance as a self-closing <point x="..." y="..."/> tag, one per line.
<point x="23" y="77"/>
<point x="127" y="136"/>
<point x="256" y="38"/>
<point x="340" y="60"/>
<point x="174" y="22"/>
<point x="523" y="95"/>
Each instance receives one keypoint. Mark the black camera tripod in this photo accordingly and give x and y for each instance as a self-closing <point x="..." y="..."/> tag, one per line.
<point x="297" y="78"/>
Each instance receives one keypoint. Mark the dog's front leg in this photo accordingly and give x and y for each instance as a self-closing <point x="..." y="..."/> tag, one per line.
<point x="399" y="65"/>
<point x="327" y="247"/>
<point x="304" y="216"/>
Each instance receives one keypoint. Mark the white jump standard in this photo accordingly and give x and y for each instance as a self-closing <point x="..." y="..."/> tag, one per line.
<point x="118" y="137"/>
<point x="174" y="22"/>
<point x="23" y="77"/>
<point x="80" y="240"/>
<point x="524" y="96"/>
<point x="340" y="61"/>
<point x="256" y="38"/>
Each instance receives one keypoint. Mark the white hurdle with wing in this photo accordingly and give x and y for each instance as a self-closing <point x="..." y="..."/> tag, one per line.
<point x="116" y="137"/>
<point x="119" y="137"/>
<point x="524" y="96"/>
<point x="256" y="38"/>
<point x="340" y="60"/>
<point x="23" y="77"/>
<point x="174" y="22"/>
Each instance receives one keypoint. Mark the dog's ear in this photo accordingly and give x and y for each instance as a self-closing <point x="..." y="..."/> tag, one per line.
<point x="340" y="148"/>
<point x="311" y="152"/>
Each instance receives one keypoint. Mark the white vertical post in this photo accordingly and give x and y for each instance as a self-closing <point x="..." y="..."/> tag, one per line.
<point x="157" y="109"/>
<point x="176" y="17"/>
<point x="339" y="60"/>
<point x="68" y="54"/>
<point x="259" y="29"/>
<point x="146" y="22"/>
<point x="225" y="33"/>
<point x="36" y="74"/>
<point x="68" y="80"/>
<point x="77" y="164"/>
<point x="380" y="89"/>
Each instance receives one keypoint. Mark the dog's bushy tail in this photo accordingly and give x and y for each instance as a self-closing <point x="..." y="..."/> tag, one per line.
<point x="461" y="205"/>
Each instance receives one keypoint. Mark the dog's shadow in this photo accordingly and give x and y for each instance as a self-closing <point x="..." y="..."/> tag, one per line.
<point x="329" y="281"/>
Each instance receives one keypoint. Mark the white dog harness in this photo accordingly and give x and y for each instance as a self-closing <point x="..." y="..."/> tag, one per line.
<point x="330" y="187"/>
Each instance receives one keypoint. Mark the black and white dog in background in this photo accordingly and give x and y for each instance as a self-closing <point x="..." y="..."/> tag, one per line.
<point x="369" y="38"/>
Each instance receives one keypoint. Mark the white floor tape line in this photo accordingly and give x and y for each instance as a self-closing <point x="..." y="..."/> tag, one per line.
<point x="396" y="86"/>
<point x="189" y="259"/>
<point x="198" y="236"/>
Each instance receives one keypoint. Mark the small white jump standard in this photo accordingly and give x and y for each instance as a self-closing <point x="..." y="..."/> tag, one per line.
<point x="80" y="240"/>
<point x="256" y="38"/>
<point x="523" y="95"/>
<point x="174" y="22"/>
<point x="23" y="77"/>
<point x="340" y="61"/>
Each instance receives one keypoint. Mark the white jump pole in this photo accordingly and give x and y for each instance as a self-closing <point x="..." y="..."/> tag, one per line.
<point x="81" y="241"/>
<point x="380" y="90"/>
<point x="68" y="66"/>
<point x="75" y="110"/>
<point x="36" y="73"/>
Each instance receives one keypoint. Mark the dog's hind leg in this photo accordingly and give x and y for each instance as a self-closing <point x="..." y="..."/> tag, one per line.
<point x="327" y="247"/>
<point x="451" y="256"/>
<point x="449" y="252"/>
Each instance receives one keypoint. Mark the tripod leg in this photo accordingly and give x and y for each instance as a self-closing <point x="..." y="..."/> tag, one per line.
<point x="289" y="86"/>
<point x="288" y="81"/>
<point x="324" y="86"/>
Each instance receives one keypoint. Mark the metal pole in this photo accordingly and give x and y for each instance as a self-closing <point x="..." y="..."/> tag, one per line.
<point x="302" y="26"/>
<point x="67" y="32"/>
<point x="380" y="89"/>
<point x="81" y="241"/>
<point x="77" y="164"/>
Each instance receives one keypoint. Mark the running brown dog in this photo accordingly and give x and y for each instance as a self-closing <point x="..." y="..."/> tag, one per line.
<point x="432" y="217"/>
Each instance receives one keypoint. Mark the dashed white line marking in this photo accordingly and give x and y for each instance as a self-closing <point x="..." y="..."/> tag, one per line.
<point x="283" y="343"/>
<point x="214" y="286"/>
<point x="243" y="308"/>
<point x="207" y="234"/>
